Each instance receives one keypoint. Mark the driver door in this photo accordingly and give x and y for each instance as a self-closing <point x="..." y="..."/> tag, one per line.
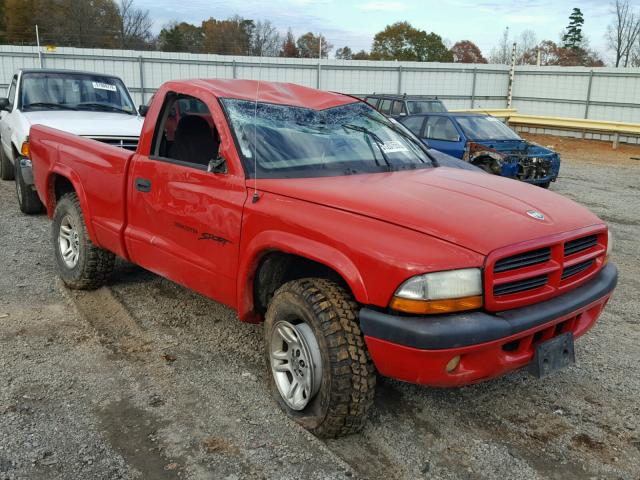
<point x="184" y="221"/>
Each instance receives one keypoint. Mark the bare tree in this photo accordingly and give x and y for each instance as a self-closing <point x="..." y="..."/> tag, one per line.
<point x="266" y="39"/>
<point x="501" y="53"/>
<point x="135" y="26"/>
<point x="526" y="42"/>
<point x="623" y="31"/>
<point x="635" y="55"/>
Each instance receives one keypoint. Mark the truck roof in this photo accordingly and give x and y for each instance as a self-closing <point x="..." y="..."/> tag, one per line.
<point x="67" y="71"/>
<point x="270" y="92"/>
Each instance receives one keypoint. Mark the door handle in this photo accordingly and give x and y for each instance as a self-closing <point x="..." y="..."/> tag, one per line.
<point x="143" y="185"/>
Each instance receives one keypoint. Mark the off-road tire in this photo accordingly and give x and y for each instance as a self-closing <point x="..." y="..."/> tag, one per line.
<point x="28" y="199"/>
<point x="94" y="265"/>
<point x="348" y="377"/>
<point x="6" y="167"/>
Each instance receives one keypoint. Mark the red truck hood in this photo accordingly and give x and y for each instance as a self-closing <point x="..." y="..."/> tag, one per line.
<point x="478" y="211"/>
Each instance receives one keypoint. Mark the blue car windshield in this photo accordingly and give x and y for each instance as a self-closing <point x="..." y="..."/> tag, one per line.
<point x="283" y="141"/>
<point x="486" y="128"/>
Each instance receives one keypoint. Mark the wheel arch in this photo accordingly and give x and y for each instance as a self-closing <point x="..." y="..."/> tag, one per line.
<point x="63" y="180"/>
<point x="273" y="258"/>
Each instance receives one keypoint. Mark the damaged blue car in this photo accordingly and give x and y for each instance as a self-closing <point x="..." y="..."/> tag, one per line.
<point x="486" y="142"/>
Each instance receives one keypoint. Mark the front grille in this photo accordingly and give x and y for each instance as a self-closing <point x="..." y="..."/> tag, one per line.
<point x="129" y="143"/>
<point x="521" y="260"/>
<point x="579" y="244"/>
<point x="521" y="285"/>
<point x="515" y="280"/>
<point x="575" y="269"/>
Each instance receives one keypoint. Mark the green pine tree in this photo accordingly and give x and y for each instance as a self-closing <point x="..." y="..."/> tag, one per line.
<point x="572" y="37"/>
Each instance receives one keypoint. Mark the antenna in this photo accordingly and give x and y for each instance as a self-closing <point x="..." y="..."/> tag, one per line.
<point x="256" y="196"/>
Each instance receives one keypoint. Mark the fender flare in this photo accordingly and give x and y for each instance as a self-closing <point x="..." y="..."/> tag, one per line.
<point x="62" y="170"/>
<point x="278" y="241"/>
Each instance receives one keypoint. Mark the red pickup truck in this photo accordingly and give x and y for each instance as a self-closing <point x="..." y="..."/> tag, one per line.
<point x="357" y="247"/>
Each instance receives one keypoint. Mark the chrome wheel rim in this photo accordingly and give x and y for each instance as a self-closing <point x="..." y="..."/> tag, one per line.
<point x="296" y="363"/>
<point x="69" y="242"/>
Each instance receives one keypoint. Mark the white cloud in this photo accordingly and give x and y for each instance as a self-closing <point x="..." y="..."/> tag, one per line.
<point x="383" y="6"/>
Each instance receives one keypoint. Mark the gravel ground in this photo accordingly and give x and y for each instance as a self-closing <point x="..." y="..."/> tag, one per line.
<point x="144" y="379"/>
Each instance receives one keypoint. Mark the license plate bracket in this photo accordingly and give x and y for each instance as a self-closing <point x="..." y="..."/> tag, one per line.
<point x="553" y="355"/>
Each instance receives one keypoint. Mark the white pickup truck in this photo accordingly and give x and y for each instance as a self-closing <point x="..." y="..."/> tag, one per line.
<point x="91" y="105"/>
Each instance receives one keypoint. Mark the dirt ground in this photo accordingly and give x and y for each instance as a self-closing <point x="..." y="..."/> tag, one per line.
<point x="145" y="380"/>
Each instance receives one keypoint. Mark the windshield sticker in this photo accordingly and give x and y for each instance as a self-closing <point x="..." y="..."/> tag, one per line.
<point x="393" y="146"/>
<point x="492" y="119"/>
<point x="104" y="86"/>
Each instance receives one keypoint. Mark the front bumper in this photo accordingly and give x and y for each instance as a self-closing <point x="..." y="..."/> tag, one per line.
<point x="418" y="349"/>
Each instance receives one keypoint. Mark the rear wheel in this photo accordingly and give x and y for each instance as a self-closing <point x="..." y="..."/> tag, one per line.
<point x="28" y="199"/>
<point x="6" y="167"/>
<point x="320" y="370"/>
<point x="81" y="264"/>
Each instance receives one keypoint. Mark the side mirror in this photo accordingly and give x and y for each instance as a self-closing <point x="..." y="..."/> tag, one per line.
<point x="143" y="109"/>
<point x="4" y="104"/>
<point x="217" y="165"/>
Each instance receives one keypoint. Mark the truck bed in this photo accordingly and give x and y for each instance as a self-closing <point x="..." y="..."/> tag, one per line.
<point x="98" y="172"/>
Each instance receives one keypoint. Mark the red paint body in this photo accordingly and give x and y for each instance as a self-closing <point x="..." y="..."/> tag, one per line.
<point x="375" y="230"/>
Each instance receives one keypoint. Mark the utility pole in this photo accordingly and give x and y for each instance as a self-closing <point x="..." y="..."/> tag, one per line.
<point x="39" y="49"/>
<point x="512" y="73"/>
<point x="319" y="45"/>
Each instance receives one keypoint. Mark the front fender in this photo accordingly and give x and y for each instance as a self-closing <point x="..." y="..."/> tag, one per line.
<point x="273" y="240"/>
<point x="20" y="133"/>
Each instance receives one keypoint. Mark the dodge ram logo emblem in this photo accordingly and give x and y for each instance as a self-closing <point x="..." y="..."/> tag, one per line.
<point x="535" y="214"/>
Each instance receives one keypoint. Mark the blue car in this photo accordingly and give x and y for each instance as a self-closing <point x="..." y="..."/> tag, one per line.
<point x="486" y="142"/>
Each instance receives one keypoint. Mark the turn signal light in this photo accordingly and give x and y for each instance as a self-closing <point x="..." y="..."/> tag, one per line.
<point x="24" y="150"/>
<point x="448" y="305"/>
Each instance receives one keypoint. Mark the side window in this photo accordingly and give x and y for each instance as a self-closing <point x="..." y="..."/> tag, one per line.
<point x="441" y="128"/>
<point x="372" y="101"/>
<point x="414" y="124"/>
<point x="398" y="108"/>
<point x="385" y="106"/>
<point x="187" y="135"/>
<point x="11" y="96"/>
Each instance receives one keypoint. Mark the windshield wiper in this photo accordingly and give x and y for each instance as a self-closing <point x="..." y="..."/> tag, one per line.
<point x="104" y="106"/>
<point x="49" y="105"/>
<point x="404" y="134"/>
<point x="376" y="138"/>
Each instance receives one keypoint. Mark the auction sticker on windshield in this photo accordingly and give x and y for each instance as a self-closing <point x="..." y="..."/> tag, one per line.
<point x="104" y="86"/>
<point x="393" y="146"/>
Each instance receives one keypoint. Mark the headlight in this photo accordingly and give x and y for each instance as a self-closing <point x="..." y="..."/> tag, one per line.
<point x="440" y="292"/>
<point x="609" y="243"/>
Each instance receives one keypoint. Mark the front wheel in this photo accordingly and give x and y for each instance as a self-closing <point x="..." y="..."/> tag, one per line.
<point x="544" y="185"/>
<point x="321" y="373"/>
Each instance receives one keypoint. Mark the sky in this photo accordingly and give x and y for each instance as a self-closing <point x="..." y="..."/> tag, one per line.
<point x="355" y="22"/>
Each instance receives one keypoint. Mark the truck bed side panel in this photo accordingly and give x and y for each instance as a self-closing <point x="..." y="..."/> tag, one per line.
<point x="98" y="172"/>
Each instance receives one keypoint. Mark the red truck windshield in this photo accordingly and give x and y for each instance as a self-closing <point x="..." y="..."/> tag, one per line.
<point x="284" y="141"/>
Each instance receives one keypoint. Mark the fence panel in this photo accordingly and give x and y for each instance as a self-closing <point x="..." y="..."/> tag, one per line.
<point x="599" y="93"/>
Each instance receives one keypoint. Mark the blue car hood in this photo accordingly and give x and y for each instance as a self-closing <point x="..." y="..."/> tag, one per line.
<point x="504" y="146"/>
